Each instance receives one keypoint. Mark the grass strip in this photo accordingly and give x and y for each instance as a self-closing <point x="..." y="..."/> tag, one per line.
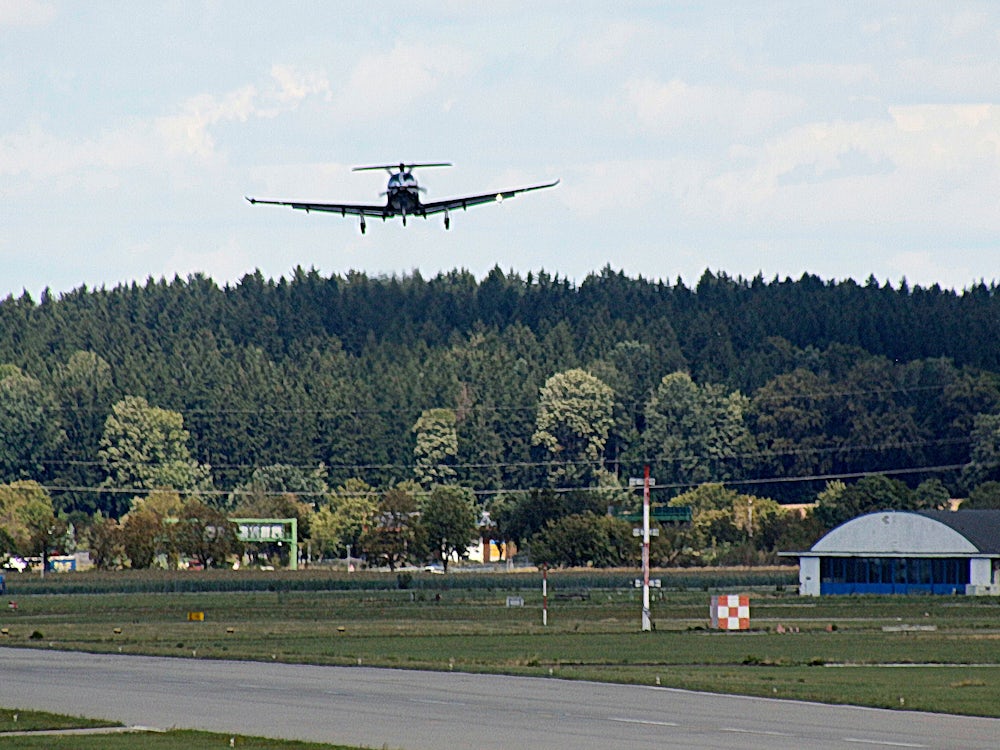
<point x="20" y="720"/>
<point x="171" y="740"/>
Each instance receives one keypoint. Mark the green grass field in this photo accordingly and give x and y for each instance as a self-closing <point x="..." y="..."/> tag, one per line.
<point x="940" y="654"/>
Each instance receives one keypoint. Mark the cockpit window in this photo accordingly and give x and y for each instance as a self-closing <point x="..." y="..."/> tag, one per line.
<point x="402" y="180"/>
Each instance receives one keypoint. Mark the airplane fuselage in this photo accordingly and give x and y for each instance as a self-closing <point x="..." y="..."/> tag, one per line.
<point x="403" y="194"/>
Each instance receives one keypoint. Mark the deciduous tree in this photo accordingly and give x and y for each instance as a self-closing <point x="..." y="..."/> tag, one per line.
<point x="984" y="496"/>
<point x="106" y="549"/>
<point x="205" y="533"/>
<point x="585" y="539"/>
<point x="839" y="503"/>
<point x="149" y="529"/>
<point x="575" y="414"/>
<point x="27" y="515"/>
<point x="448" y="515"/>
<point x="396" y="536"/>
<point x="145" y="448"/>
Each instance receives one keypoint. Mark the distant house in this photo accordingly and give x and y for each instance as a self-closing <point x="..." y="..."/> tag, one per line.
<point x="902" y="552"/>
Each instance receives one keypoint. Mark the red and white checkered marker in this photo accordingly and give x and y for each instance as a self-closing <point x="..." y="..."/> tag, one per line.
<point x="731" y="612"/>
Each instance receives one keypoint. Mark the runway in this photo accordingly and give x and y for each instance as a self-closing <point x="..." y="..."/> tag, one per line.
<point x="411" y="710"/>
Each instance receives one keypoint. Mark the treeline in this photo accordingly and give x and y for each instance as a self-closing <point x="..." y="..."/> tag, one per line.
<point x="773" y="387"/>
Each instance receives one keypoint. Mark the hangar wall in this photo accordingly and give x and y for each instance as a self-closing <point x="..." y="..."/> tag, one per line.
<point x="897" y="552"/>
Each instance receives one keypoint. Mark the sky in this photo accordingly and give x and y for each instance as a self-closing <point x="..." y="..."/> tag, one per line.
<point x="845" y="140"/>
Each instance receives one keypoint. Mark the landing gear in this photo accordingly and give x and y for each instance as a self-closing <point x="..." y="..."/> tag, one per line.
<point x="363" y="227"/>
<point x="447" y="220"/>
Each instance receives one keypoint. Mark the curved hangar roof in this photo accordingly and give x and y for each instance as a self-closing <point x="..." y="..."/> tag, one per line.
<point x="927" y="532"/>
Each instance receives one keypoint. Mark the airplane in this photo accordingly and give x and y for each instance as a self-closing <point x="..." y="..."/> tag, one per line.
<point x="403" y="197"/>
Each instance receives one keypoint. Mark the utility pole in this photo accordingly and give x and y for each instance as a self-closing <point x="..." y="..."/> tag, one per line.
<point x="646" y="624"/>
<point x="646" y="533"/>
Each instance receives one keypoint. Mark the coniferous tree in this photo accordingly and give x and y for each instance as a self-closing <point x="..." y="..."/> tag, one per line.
<point x="84" y="392"/>
<point x="30" y="429"/>
<point x="696" y="433"/>
<point x="436" y="447"/>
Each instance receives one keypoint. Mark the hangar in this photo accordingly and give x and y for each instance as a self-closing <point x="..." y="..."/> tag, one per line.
<point x="900" y="552"/>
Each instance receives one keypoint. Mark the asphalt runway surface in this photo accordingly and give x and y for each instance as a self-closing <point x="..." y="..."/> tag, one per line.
<point x="434" y="710"/>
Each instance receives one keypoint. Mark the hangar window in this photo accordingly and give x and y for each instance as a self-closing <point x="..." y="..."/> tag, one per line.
<point x="889" y="575"/>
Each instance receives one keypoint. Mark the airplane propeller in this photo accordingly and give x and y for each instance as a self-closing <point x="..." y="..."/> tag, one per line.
<point x="401" y="167"/>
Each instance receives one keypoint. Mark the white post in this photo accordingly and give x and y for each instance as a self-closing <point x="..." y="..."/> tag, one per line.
<point x="545" y="595"/>
<point x="646" y="625"/>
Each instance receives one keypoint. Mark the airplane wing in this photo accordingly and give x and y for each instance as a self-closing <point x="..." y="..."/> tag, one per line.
<point x="436" y="207"/>
<point x="344" y="209"/>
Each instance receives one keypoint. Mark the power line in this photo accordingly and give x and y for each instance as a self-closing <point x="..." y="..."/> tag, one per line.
<point x="250" y="492"/>
<point x="839" y="448"/>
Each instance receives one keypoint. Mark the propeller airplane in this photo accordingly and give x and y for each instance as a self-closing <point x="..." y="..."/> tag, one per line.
<point x="403" y="198"/>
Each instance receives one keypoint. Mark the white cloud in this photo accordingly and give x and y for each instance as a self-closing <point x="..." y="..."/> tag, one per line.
<point x="608" y="44"/>
<point x="387" y="84"/>
<point x="25" y="13"/>
<point x="294" y="85"/>
<point x="35" y="156"/>
<point x="967" y="22"/>
<point x="675" y="106"/>
<point x="625" y="190"/>
<point x="921" y="166"/>
<point x="188" y="132"/>
<point x="823" y="74"/>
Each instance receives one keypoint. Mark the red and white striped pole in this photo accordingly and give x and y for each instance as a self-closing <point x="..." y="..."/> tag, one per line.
<point x="646" y="625"/>
<point x="545" y="595"/>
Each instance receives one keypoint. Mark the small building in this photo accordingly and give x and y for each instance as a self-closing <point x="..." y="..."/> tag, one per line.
<point x="904" y="552"/>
